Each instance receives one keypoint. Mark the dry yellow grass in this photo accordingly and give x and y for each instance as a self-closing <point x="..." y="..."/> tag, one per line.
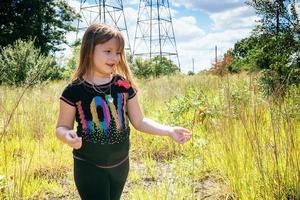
<point x="244" y="147"/>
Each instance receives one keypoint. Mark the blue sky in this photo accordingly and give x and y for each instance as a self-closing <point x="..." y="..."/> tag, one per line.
<point x="199" y="25"/>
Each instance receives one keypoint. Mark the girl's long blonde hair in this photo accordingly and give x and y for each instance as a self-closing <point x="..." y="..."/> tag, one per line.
<point x="99" y="34"/>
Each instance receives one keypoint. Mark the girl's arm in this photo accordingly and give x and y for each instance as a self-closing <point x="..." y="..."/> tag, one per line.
<point x="147" y="125"/>
<point x="64" y="126"/>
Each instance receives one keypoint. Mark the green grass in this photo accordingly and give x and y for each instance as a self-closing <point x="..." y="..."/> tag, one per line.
<point x="244" y="146"/>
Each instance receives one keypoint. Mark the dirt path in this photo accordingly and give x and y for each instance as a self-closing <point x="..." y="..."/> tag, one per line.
<point x="209" y="187"/>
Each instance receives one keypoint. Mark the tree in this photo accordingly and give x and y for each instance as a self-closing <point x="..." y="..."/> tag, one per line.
<point x="142" y="68"/>
<point x="72" y="61"/>
<point x="191" y="73"/>
<point x="163" y="66"/>
<point x="268" y="49"/>
<point x="221" y="67"/>
<point x="154" y="67"/>
<point x="278" y="16"/>
<point x="45" y="21"/>
<point x="249" y="54"/>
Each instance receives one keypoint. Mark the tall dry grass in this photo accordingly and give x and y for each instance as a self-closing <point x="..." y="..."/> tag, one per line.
<point x="244" y="146"/>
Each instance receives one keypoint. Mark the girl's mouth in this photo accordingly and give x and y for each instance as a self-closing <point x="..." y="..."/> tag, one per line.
<point x="111" y="65"/>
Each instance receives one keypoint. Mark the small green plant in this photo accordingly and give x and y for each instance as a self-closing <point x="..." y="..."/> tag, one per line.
<point x="189" y="107"/>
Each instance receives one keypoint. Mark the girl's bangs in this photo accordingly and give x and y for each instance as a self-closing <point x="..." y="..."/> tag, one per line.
<point x="100" y="39"/>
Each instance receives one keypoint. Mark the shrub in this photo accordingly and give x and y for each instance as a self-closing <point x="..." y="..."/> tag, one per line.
<point x="21" y="62"/>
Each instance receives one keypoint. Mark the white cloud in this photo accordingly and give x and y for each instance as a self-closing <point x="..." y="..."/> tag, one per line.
<point x="234" y="19"/>
<point x="186" y="28"/>
<point x="132" y="2"/>
<point x="131" y="17"/>
<point x="210" y="6"/>
<point x="74" y="4"/>
<point x="202" y="47"/>
<point x="224" y="39"/>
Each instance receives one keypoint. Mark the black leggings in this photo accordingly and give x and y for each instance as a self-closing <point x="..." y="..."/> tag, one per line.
<point x="94" y="183"/>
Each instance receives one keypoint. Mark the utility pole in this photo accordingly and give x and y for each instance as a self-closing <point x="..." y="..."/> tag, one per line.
<point x="216" y="55"/>
<point x="193" y="65"/>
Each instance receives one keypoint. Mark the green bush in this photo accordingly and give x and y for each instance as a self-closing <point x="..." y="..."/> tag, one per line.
<point x="22" y="63"/>
<point x="142" y="68"/>
<point x="155" y="67"/>
<point x="191" y="73"/>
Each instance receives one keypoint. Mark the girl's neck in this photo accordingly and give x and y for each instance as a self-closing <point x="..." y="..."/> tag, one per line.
<point x="98" y="79"/>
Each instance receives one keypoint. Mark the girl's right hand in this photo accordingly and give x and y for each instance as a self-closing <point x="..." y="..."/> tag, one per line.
<point x="73" y="140"/>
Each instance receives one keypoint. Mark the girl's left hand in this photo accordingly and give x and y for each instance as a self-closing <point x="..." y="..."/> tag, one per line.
<point x="179" y="134"/>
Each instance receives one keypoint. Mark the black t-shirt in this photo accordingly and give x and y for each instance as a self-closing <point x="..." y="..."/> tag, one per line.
<point x="102" y="118"/>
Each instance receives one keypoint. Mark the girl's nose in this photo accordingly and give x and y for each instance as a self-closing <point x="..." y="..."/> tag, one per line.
<point x="115" y="57"/>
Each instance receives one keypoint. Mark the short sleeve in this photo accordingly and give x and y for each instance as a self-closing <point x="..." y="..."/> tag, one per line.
<point x="131" y="92"/>
<point x="68" y="95"/>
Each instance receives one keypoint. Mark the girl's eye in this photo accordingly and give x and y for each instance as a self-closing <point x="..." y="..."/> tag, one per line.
<point x="107" y="51"/>
<point x="118" y="53"/>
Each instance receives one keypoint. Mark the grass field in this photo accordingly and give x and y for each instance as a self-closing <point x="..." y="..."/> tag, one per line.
<point x="244" y="146"/>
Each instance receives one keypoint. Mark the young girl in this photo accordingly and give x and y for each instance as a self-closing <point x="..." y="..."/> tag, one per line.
<point x="102" y="99"/>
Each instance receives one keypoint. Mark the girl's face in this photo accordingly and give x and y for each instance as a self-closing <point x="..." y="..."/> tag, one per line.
<point x="106" y="56"/>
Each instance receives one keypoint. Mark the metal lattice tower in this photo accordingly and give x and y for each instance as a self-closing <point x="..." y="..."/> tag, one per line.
<point x="154" y="35"/>
<point x="104" y="11"/>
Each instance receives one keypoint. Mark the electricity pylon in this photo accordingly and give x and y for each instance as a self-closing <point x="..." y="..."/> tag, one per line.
<point x="154" y="35"/>
<point x="104" y="11"/>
